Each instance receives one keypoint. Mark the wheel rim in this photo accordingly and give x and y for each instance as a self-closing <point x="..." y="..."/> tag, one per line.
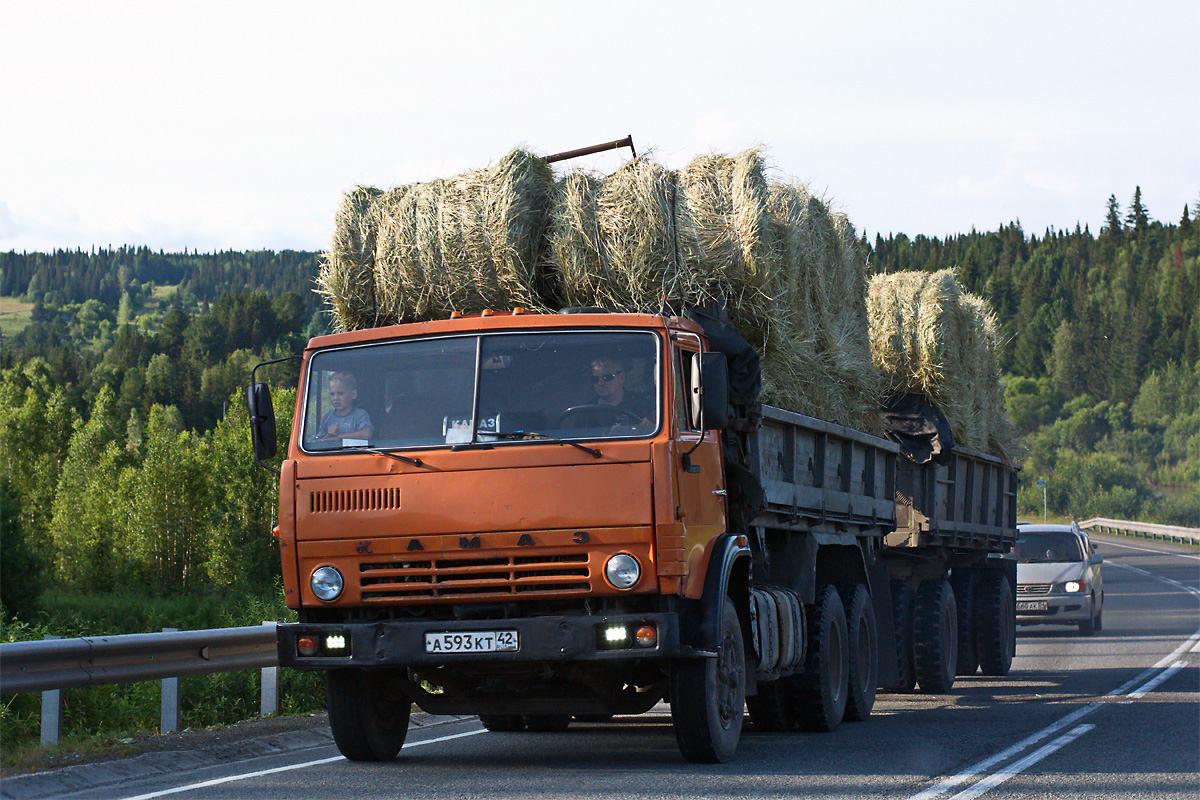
<point x="728" y="681"/>
<point x="837" y="666"/>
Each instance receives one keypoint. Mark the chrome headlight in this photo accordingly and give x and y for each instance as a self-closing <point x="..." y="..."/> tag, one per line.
<point x="623" y="571"/>
<point x="327" y="583"/>
<point x="1071" y="587"/>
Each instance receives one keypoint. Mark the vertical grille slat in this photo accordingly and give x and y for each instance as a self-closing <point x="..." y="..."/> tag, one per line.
<point x="352" y="500"/>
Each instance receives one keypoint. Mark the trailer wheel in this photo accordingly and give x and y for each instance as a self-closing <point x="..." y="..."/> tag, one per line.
<point x="770" y="710"/>
<point x="820" y="691"/>
<point x="966" y="596"/>
<point x="935" y="649"/>
<point x="862" y="647"/>
<point x="548" y="723"/>
<point x="503" y="723"/>
<point x="708" y="697"/>
<point x="368" y="714"/>
<point x="995" y="623"/>
<point x="902" y="625"/>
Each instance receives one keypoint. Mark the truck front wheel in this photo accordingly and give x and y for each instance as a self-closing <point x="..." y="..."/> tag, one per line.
<point x="368" y="713"/>
<point x="708" y="697"/>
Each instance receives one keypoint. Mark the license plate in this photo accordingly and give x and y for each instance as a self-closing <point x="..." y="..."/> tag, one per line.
<point x="472" y="642"/>
<point x="1032" y="605"/>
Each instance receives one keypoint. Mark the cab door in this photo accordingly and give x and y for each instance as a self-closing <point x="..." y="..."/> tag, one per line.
<point x="698" y="461"/>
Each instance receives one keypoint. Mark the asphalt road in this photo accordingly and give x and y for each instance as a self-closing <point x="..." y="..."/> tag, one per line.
<point x="1116" y="715"/>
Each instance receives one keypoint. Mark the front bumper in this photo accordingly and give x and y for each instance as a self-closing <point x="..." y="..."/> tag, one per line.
<point x="1059" y="609"/>
<point x="396" y="644"/>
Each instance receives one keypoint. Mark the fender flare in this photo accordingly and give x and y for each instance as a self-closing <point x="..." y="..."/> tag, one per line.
<point x="728" y="574"/>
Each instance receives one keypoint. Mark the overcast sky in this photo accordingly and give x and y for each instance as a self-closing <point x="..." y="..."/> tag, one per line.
<point x="238" y="125"/>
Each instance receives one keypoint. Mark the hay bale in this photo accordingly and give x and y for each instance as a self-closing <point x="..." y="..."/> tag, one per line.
<point x="347" y="275"/>
<point x="425" y="250"/>
<point x="930" y="337"/>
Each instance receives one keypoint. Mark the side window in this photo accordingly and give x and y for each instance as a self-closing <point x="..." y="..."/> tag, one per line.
<point x="685" y="415"/>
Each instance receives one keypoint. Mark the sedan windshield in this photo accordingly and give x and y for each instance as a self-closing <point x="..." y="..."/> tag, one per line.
<point x="1034" y="547"/>
<point x="503" y="388"/>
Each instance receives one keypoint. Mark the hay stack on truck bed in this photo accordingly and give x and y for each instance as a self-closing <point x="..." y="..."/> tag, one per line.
<point x="560" y="559"/>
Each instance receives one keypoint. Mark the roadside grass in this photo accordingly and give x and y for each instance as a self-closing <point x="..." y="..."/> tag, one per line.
<point x="103" y="719"/>
<point x="14" y="315"/>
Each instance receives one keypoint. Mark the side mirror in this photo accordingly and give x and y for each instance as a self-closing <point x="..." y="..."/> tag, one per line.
<point x="1096" y="559"/>
<point x="714" y="391"/>
<point x="262" y="420"/>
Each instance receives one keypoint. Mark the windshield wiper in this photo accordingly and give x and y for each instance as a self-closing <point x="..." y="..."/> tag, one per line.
<point x="541" y="437"/>
<point x="416" y="462"/>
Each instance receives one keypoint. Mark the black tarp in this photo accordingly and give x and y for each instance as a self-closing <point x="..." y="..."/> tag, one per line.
<point x="919" y="427"/>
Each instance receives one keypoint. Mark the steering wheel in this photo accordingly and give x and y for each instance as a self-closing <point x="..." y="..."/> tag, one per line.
<point x="609" y="416"/>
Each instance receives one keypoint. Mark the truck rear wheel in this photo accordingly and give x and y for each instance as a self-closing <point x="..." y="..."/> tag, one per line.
<point x="862" y="649"/>
<point x="966" y="596"/>
<point x="995" y="623"/>
<point x="503" y="723"/>
<point x="368" y="714"/>
<point x="770" y="710"/>
<point x="820" y="691"/>
<point x="902" y="624"/>
<point x="548" y="723"/>
<point x="935" y="649"/>
<point x="708" y="697"/>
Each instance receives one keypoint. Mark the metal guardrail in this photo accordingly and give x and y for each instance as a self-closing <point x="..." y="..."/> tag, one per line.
<point x="55" y="664"/>
<point x="65" y="663"/>
<point x="1148" y="530"/>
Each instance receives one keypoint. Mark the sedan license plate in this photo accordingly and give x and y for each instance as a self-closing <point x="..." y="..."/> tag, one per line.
<point x="1032" y="605"/>
<point x="472" y="642"/>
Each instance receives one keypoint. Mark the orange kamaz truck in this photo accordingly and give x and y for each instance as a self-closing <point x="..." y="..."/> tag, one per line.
<point x="541" y="518"/>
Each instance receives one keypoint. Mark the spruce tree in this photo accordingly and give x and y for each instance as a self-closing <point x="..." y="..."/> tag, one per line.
<point x="1137" y="220"/>
<point x="1185" y="222"/>
<point x="1112" y="220"/>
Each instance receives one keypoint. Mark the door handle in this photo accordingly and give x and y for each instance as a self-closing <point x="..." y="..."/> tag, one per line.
<point x="719" y="491"/>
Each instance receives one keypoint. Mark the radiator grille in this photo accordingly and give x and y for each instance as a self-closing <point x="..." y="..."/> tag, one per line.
<point x="354" y="500"/>
<point x="501" y="576"/>
<point x="1029" y="589"/>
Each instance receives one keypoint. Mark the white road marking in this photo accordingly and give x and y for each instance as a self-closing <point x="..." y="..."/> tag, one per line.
<point x="1017" y="767"/>
<point x="1176" y="584"/>
<point x="317" y="763"/>
<point x="975" y="769"/>
<point x="1190" y="646"/>
<point x="1153" y="684"/>
<point x="1148" y="550"/>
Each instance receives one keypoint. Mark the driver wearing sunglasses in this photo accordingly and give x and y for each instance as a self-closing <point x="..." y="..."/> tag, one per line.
<point x="608" y="382"/>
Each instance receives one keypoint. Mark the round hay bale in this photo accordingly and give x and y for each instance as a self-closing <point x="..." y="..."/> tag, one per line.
<point x="346" y="278"/>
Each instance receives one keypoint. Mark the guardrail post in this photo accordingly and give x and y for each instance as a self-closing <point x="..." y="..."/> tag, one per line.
<point x="170" y="700"/>
<point x="52" y="708"/>
<point x="270" y="687"/>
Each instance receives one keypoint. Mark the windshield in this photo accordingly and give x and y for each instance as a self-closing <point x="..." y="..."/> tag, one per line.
<point x="518" y="386"/>
<point x="1048" y="546"/>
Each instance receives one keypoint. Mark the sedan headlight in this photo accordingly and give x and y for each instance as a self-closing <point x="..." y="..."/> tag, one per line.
<point x="1072" y="587"/>
<point x="327" y="583"/>
<point x="623" y="571"/>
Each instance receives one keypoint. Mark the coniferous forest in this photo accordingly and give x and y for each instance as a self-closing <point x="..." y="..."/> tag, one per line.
<point x="127" y="471"/>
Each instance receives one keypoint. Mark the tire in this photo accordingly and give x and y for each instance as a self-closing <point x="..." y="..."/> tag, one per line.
<point x="862" y="649"/>
<point x="995" y="623"/>
<point x="966" y="595"/>
<point x="1100" y="614"/>
<point x="368" y="713"/>
<point x="708" y="697"/>
<point x="548" y="723"/>
<point x="503" y="723"/>
<point x="1087" y="627"/>
<point x="935" y="649"/>
<point x="903" y="598"/>
<point x="770" y="711"/>
<point x="819" y="693"/>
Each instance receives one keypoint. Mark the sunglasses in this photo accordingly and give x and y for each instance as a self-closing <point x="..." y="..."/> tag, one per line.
<point x="606" y="378"/>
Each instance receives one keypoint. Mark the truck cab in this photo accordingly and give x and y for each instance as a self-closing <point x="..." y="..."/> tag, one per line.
<point x="512" y="514"/>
